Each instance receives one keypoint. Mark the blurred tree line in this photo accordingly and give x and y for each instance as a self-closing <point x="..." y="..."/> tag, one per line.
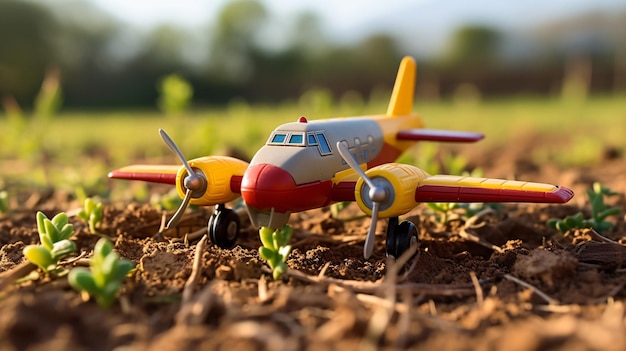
<point x="103" y="65"/>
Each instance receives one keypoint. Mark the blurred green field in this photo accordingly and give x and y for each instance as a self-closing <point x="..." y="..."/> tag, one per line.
<point x="81" y="147"/>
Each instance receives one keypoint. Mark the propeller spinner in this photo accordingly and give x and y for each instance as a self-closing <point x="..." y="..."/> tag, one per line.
<point x="195" y="182"/>
<point x="380" y="192"/>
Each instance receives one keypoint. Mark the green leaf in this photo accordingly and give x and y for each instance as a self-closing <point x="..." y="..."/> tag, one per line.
<point x="40" y="222"/>
<point x="98" y="212"/>
<point x="602" y="226"/>
<point x="66" y="232"/>
<point x="284" y="251"/>
<point x="89" y="205"/>
<point x="103" y="248"/>
<point x="62" y="248"/>
<point x="83" y="215"/>
<point x="280" y="268"/>
<point x="106" y="296"/>
<point x="267" y="253"/>
<point x="60" y="220"/>
<point x="265" y="234"/>
<point x="81" y="279"/>
<point x="39" y="256"/>
<point x="285" y="235"/>
<point x="122" y="268"/>
<point x="46" y="241"/>
<point x="106" y="269"/>
<point x="4" y="201"/>
<point x="611" y="211"/>
<point x="51" y="230"/>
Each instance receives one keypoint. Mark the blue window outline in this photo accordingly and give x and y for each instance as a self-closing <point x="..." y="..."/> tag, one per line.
<point x="287" y="138"/>
<point x="296" y="139"/>
<point x="278" y="138"/>
<point x="311" y="139"/>
<point x="323" y="146"/>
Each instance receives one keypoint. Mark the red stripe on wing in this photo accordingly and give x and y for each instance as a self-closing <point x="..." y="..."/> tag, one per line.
<point x="148" y="173"/>
<point x="439" y="193"/>
<point x="421" y="134"/>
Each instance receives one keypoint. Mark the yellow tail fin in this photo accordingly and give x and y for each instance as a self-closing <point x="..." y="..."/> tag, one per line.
<point x="401" y="102"/>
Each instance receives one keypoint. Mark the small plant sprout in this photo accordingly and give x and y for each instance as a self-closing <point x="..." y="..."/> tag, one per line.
<point x="166" y="202"/>
<point x="4" y="201"/>
<point x="92" y="213"/>
<point x="275" y="249"/>
<point x="55" y="244"/>
<point x="599" y="212"/>
<point x="104" y="278"/>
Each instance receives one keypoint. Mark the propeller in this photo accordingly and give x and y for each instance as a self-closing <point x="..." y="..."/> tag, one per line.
<point x="195" y="183"/>
<point x="380" y="191"/>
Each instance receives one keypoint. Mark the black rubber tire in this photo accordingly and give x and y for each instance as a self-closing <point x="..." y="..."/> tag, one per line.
<point x="224" y="228"/>
<point x="399" y="237"/>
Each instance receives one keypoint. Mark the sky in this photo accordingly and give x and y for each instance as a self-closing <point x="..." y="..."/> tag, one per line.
<point x="341" y="14"/>
<point x="429" y="22"/>
<point x="352" y="14"/>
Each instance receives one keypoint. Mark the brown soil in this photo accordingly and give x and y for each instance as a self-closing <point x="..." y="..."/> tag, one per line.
<point x="542" y="291"/>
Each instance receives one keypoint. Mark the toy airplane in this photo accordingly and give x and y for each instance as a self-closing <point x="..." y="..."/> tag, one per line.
<point x="311" y="164"/>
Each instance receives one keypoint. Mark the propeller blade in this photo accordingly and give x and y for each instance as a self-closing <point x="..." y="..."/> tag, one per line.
<point x="181" y="210"/>
<point x="193" y="182"/>
<point x="368" y="248"/>
<point x="347" y="156"/>
<point x="172" y="145"/>
<point x="377" y="194"/>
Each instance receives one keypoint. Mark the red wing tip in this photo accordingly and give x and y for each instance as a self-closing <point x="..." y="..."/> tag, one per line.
<point x="422" y="134"/>
<point x="164" y="178"/>
<point x="562" y="194"/>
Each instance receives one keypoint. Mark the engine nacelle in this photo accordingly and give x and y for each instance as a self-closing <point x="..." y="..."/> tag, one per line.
<point x="400" y="181"/>
<point x="221" y="173"/>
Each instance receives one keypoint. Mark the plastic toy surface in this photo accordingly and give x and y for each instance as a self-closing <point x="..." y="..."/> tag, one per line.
<point x="311" y="164"/>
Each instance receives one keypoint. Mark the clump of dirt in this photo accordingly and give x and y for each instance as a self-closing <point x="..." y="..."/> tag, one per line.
<point x="506" y="281"/>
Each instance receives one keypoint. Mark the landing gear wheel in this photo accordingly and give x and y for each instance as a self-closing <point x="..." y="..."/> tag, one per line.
<point x="400" y="236"/>
<point x="224" y="227"/>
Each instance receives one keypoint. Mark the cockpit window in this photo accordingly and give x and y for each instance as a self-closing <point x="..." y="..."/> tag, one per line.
<point x="296" y="139"/>
<point x="287" y="138"/>
<point x="324" y="147"/>
<point x="278" y="138"/>
<point x="315" y="139"/>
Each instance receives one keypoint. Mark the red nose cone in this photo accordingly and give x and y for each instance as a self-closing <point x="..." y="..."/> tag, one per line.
<point x="263" y="186"/>
<point x="266" y="187"/>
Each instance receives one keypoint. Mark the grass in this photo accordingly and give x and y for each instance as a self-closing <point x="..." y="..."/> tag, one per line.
<point x="79" y="141"/>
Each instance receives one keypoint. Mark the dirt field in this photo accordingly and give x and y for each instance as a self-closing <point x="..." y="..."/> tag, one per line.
<point x="537" y="290"/>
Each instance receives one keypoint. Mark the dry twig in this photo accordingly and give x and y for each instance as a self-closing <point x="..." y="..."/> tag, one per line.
<point x="597" y="236"/>
<point x="191" y="283"/>
<point x="17" y="272"/>
<point x="478" y="288"/>
<point x="471" y="224"/>
<point x="536" y="290"/>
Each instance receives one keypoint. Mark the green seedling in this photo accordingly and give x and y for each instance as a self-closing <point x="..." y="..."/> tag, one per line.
<point x="55" y="244"/>
<point x="92" y="213"/>
<point x="337" y="208"/>
<point x="4" y="201"/>
<point x="275" y="249"/>
<point x="104" y="278"/>
<point x="599" y="212"/>
<point x="166" y="202"/>
<point x="442" y="210"/>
